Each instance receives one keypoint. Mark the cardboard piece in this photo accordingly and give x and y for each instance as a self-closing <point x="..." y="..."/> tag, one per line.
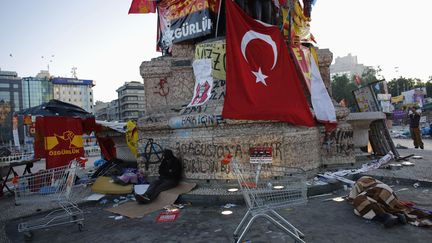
<point x="135" y="210"/>
<point x="104" y="185"/>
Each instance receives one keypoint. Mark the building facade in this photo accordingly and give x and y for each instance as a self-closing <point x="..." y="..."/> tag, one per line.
<point x="101" y="110"/>
<point x="37" y="90"/>
<point x="347" y="65"/>
<point x="131" y="100"/>
<point x="113" y="110"/>
<point x="10" y="101"/>
<point x="74" y="91"/>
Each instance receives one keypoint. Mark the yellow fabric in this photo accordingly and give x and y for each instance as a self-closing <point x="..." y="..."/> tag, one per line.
<point x="104" y="186"/>
<point x="132" y="137"/>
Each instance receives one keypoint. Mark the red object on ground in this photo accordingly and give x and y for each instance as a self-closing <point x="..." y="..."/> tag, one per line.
<point x="261" y="79"/>
<point x="167" y="216"/>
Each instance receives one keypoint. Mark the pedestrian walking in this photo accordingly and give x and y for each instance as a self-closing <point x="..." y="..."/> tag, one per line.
<point x="414" y="121"/>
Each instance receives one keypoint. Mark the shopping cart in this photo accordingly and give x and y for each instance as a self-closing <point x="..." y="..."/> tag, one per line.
<point x="53" y="185"/>
<point x="265" y="188"/>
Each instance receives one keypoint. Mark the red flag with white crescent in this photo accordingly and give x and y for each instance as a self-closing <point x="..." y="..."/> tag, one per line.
<point x="262" y="83"/>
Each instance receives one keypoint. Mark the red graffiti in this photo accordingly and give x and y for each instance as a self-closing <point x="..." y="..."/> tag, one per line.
<point x="162" y="89"/>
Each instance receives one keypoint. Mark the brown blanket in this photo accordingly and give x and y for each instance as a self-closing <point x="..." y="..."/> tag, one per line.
<point x="371" y="197"/>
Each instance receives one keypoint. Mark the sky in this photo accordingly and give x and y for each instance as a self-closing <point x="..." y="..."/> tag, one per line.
<point x="105" y="44"/>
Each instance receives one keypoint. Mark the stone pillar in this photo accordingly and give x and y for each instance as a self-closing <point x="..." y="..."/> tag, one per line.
<point x="337" y="147"/>
<point x="325" y="58"/>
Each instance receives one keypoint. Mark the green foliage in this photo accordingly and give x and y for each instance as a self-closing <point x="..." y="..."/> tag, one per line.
<point x="369" y="75"/>
<point x="342" y="88"/>
<point x="401" y="84"/>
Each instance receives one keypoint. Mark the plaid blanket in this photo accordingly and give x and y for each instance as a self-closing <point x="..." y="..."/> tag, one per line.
<point x="371" y="197"/>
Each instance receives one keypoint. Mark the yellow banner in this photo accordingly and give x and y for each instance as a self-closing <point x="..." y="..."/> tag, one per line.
<point x="397" y="99"/>
<point x="215" y="51"/>
<point x="132" y="137"/>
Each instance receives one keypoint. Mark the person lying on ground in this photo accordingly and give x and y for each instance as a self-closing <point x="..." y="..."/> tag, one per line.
<point x="374" y="200"/>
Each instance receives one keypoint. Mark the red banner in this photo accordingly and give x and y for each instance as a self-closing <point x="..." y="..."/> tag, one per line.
<point x="62" y="140"/>
<point x="142" y="6"/>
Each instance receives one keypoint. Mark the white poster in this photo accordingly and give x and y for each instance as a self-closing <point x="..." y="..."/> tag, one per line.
<point x="15" y="132"/>
<point x="203" y="82"/>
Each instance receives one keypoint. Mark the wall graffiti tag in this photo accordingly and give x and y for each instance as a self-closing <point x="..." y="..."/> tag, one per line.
<point x="162" y="88"/>
<point x="338" y="142"/>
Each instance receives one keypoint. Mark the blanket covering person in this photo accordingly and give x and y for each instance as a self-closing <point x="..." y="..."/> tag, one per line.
<point x="170" y="171"/>
<point x="375" y="200"/>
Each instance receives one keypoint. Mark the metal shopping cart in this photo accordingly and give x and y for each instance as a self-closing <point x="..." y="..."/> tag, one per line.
<point x="53" y="185"/>
<point x="265" y="188"/>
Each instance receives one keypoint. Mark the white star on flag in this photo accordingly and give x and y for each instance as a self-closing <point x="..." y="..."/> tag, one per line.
<point x="260" y="77"/>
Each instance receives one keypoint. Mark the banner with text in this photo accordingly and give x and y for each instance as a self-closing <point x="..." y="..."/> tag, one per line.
<point x="216" y="52"/>
<point x="63" y="140"/>
<point x="181" y="20"/>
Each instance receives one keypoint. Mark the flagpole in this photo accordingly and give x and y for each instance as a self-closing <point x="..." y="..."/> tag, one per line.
<point x="217" y="21"/>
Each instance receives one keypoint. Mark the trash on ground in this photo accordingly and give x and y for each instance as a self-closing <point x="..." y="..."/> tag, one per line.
<point x="104" y="186"/>
<point x="402" y="189"/>
<point x="398" y="146"/>
<point x="118" y="217"/>
<point x="395" y="166"/>
<point x="167" y="216"/>
<point x="218" y="230"/>
<point x="229" y="205"/>
<point x="141" y="189"/>
<point x="416" y="185"/>
<point x="94" y="197"/>
<point x="407" y="163"/>
<point x="417" y="157"/>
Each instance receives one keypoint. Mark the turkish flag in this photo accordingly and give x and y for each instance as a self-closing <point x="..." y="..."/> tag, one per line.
<point x="262" y="83"/>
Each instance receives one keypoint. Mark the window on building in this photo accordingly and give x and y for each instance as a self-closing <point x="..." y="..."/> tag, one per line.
<point x="4" y="85"/>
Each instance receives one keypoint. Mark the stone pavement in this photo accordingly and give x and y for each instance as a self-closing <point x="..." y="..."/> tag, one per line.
<point x="320" y="219"/>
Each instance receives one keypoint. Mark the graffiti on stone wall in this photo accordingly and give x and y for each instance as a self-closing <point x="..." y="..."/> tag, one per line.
<point x="218" y="91"/>
<point x="192" y="121"/>
<point x="339" y="142"/>
<point x="206" y="158"/>
<point x="162" y="88"/>
<point x="194" y="109"/>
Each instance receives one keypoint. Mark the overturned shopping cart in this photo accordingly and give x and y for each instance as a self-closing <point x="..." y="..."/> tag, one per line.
<point x="265" y="188"/>
<point x="53" y="185"/>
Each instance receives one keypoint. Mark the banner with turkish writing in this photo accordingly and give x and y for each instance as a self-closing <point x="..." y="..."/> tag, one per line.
<point x="181" y="20"/>
<point x="262" y="83"/>
<point x="62" y="137"/>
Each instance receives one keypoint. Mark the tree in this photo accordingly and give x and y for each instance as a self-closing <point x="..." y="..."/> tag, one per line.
<point x="342" y="88"/>
<point x="401" y="84"/>
<point x="369" y="75"/>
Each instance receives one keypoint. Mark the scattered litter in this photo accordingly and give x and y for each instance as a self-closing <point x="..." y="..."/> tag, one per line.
<point x="416" y="185"/>
<point x="171" y="208"/>
<point x="402" y="189"/>
<point x="407" y="163"/>
<point x="218" y="230"/>
<point x="425" y="191"/>
<point x="417" y="157"/>
<point x="167" y="216"/>
<point x="395" y="166"/>
<point x="180" y="205"/>
<point x="268" y="232"/>
<point x="229" y="205"/>
<point x="116" y="200"/>
<point x="103" y="201"/>
<point x="94" y="197"/>
<point x="112" y="216"/>
<point x="118" y="217"/>
<point x="398" y="146"/>
<point x="141" y="189"/>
